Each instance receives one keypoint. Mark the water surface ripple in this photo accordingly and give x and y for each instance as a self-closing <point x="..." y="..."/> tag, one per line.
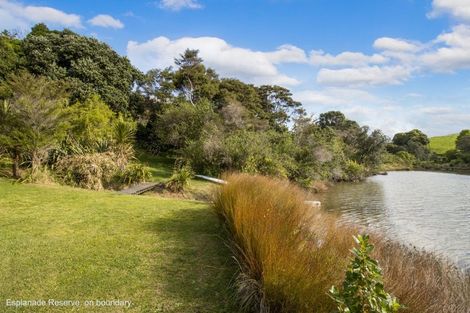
<point x="425" y="209"/>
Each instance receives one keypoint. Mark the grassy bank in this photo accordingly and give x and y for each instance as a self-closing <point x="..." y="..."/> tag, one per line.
<point x="291" y="254"/>
<point x="71" y="244"/>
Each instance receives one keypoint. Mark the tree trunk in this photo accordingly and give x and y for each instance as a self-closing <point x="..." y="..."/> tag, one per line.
<point x="35" y="163"/>
<point x="16" y="164"/>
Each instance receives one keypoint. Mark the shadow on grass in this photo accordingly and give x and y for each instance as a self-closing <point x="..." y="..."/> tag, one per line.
<point x="194" y="269"/>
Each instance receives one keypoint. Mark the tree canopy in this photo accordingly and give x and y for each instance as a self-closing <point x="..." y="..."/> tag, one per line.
<point x="88" y="65"/>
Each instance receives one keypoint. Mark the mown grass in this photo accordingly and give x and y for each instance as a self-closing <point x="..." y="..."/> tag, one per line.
<point x="442" y="144"/>
<point x="71" y="244"/>
<point x="289" y="254"/>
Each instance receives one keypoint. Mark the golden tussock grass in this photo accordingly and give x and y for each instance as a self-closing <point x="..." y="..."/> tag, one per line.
<point x="289" y="254"/>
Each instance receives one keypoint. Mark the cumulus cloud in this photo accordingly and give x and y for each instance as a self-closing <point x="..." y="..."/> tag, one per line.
<point x="452" y="52"/>
<point x="396" y="44"/>
<point x="359" y="105"/>
<point x="104" y="20"/>
<point x="287" y="54"/>
<point x="370" y="75"/>
<point x="334" y="96"/>
<point x="459" y="9"/>
<point x="176" y="5"/>
<point x="318" y="57"/>
<point x="253" y="66"/>
<point x="14" y="15"/>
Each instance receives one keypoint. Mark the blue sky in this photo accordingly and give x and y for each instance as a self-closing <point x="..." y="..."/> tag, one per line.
<point x="390" y="64"/>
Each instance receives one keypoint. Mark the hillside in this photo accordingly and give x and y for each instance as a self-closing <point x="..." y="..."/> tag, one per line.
<point x="442" y="144"/>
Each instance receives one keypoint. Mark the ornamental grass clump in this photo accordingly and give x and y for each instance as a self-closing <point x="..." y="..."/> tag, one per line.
<point x="290" y="254"/>
<point x="284" y="266"/>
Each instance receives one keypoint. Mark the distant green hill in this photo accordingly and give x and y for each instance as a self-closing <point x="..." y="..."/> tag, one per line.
<point x="442" y="144"/>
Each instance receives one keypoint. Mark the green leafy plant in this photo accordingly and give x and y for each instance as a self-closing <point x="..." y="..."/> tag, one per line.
<point x="133" y="173"/>
<point x="363" y="288"/>
<point x="354" y="171"/>
<point x="178" y="182"/>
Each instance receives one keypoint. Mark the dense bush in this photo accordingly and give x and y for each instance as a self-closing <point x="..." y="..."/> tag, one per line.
<point x="90" y="171"/>
<point x="133" y="173"/>
<point x="354" y="171"/>
<point x="98" y="171"/>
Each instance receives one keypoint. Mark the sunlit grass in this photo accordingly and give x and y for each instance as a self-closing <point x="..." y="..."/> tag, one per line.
<point x="67" y="243"/>
<point x="442" y="144"/>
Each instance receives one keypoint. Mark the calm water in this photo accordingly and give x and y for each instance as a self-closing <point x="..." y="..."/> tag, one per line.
<point x="425" y="209"/>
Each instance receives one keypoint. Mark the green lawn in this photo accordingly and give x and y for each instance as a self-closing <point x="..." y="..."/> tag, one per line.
<point x="442" y="144"/>
<point x="71" y="244"/>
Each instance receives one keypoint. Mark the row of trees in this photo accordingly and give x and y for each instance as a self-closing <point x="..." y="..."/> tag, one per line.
<point x="64" y="93"/>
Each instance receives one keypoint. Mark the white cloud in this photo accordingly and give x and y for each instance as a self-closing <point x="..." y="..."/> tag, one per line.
<point x="104" y="20"/>
<point x="452" y="52"/>
<point x="253" y="66"/>
<point x="370" y="75"/>
<point x="14" y="15"/>
<point x="459" y="9"/>
<point x="396" y="44"/>
<point x="287" y="54"/>
<point x="334" y="96"/>
<point x="318" y="57"/>
<point x="176" y="5"/>
<point x="359" y="105"/>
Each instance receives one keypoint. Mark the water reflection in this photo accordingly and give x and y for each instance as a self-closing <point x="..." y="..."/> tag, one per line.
<point x="425" y="209"/>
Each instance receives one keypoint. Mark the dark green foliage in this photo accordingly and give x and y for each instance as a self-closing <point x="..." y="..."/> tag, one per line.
<point x="182" y="123"/>
<point x="278" y="105"/>
<point x="333" y="119"/>
<point x="192" y="79"/>
<point x="11" y="59"/>
<point x="363" y="290"/>
<point x="90" y="66"/>
<point x="216" y="124"/>
<point x="463" y="141"/>
<point x="414" y="142"/>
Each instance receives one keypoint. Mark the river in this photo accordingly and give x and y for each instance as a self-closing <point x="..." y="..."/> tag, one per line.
<point x="428" y="210"/>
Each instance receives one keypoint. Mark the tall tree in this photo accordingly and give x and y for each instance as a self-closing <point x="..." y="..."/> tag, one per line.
<point x="11" y="59"/>
<point x="89" y="65"/>
<point x="192" y="79"/>
<point x="278" y="105"/>
<point x="34" y="119"/>
<point x="415" y="142"/>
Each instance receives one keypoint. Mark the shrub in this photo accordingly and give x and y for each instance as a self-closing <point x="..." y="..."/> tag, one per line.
<point x="90" y="171"/>
<point x="99" y="171"/>
<point x="363" y="289"/>
<point x="180" y="178"/>
<point x="354" y="171"/>
<point x="132" y="174"/>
